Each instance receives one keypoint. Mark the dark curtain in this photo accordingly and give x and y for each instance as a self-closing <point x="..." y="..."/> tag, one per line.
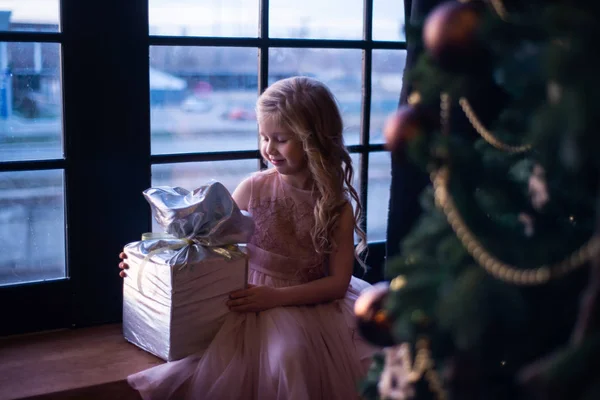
<point x="407" y="180"/>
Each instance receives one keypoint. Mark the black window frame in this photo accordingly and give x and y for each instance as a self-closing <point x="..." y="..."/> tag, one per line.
<point x="108" y="161"/>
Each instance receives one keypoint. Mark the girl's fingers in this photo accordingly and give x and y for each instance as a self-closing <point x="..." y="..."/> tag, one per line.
<point x="242" y="292"/>
<point x="123" y="265"/>
<point x="122" y="255"/>
<point x="122" y="274"/>
<point x="238" y="294"/>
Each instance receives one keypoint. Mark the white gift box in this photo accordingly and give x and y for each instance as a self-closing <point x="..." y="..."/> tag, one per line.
<point x="178" y="283"/>
<point x="174" y="310"/>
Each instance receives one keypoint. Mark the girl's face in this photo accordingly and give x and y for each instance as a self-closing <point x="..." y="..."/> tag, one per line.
<point x="281" y="148"/>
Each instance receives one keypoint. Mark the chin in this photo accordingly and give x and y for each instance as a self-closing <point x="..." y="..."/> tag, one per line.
<point x="283" y="170"/>
<point x="287" y="169"/>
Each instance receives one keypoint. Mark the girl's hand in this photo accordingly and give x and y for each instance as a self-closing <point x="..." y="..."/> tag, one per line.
<point x="254" y="299"/>
<point x="123" y="265"/>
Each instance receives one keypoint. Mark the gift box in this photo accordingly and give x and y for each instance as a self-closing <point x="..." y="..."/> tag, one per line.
<point x="178" y="281"/>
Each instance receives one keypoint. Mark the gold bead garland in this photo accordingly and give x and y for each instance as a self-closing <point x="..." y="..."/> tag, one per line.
<point x="485" y="133"/>
<point x="445" y="113"/>
<point x="414" y="98"/>
<point x="398" y="283"/>
<point x="491" y="264"/>
<point x="498" y="6"/>
<point x="424" y="367"/>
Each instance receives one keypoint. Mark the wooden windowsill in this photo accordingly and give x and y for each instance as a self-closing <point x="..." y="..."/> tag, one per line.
<point x="90" y="363"/>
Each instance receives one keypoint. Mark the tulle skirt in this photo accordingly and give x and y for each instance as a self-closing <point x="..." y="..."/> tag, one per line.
<point x="285" y="353"/>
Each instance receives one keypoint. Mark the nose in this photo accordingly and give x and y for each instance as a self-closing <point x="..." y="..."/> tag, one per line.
<point x="271" y="150"/>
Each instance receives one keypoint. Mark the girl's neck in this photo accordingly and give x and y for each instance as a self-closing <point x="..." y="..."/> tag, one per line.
<point x="302" y="180"/>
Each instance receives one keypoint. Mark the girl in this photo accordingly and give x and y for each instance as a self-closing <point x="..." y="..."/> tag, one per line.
<point x="292" y="335"/>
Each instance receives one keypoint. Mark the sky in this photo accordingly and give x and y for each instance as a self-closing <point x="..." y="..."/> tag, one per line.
<point x="336" y="19"/>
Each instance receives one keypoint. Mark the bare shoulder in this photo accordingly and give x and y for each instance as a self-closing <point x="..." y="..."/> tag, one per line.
<point x="253" y="186"/>
<point x="265" y="175"/>
<point x="347" y="211"/>
<point x="253" y="183"/>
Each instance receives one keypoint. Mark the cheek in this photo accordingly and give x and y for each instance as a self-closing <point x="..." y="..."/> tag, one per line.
<point x="263" y="146"/>
<point x="298" y="154"/>
<point x="263" y="151"/>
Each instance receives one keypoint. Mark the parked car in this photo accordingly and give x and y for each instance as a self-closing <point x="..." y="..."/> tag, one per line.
<point x="196" y="104"/>
<point x="240" y="113"/>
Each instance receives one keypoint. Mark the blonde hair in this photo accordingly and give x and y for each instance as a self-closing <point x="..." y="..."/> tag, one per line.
<point x="308" y="109"/>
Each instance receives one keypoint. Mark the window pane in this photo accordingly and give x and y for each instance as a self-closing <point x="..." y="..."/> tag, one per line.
<point x="314" y="19"/>
<point x="340" y="69"/>
<point x="193" y="175"/>
<point x="32" y="226"/>
<point x="30" y="101"/>
<point x="204" y="17"/>
<point x="388" y="20"/>
<point x="386" y="81"/>
<point x="203" y="99"/>
<point x="378" y="196"/>
<point x="29" y="15"/>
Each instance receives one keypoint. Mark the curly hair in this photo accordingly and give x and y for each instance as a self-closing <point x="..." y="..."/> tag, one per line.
<point x="308" y="109"/>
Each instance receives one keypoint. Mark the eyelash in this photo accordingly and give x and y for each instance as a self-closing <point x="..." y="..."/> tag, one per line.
<point x="265" y="139"/>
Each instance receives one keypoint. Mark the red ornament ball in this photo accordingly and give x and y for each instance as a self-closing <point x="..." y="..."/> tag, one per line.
<point x="450" y="34"/>
<point x="404" y="126"/>
<point x="373" y="322"/>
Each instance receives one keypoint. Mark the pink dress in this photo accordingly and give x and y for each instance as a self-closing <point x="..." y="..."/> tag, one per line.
<point x="286" y="353"/>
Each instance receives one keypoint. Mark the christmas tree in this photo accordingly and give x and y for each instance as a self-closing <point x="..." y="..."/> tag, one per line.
<point x="495" y="292"/>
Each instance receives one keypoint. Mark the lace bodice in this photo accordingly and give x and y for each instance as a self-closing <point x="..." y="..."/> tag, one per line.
<point x="284" y="218"/>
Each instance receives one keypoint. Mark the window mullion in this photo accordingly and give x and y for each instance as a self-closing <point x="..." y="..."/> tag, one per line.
<point x="263" y="57"/>
<point x="365" y="126"/>
<point x="107" y="140"/>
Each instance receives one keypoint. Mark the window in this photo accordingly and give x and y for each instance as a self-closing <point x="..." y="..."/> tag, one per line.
<point x="206" y="116"/>
<point x="32" y="156"/>
<point x="99" y="101"/>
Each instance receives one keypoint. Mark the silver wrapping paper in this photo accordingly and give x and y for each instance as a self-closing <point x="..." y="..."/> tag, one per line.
<point x="176" y="287"/>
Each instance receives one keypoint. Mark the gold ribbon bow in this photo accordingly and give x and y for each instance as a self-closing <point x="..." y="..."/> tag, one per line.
<point x="228" y="251"/>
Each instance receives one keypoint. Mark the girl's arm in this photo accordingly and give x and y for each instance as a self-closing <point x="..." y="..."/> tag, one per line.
<point x="341" y="263"/>
<point x="332" y="287"/>
<point x="241" y="194"/>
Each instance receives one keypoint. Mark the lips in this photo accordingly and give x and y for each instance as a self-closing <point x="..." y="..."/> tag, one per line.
<point x="276" y="162"/>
